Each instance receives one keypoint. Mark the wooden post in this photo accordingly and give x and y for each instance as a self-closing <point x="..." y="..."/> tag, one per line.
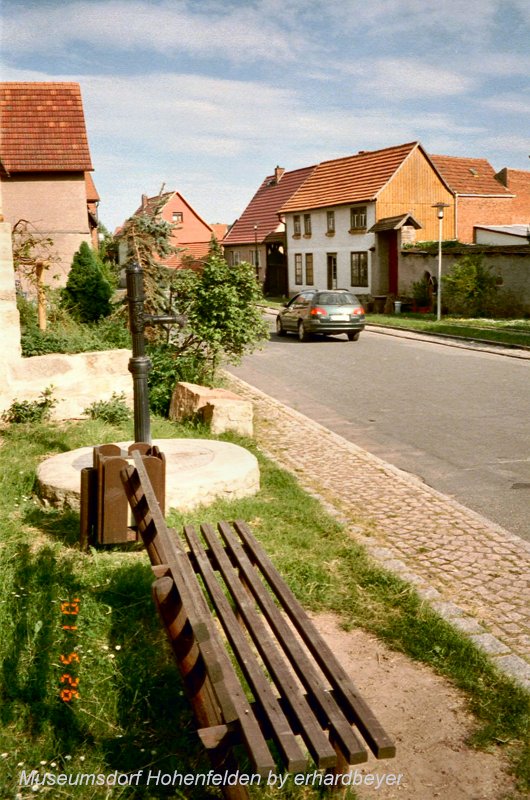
<point x="41" y="296"/>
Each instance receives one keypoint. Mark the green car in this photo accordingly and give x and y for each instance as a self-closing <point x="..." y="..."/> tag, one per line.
<point x="329" y="311"/>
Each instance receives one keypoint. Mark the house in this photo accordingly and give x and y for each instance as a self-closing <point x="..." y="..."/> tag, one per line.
<point x="190" y="233"/>
<point x="517" y="181"/>
<point x="258" y="236"/>
<point x="479" y="196"/>
<point x="45" y="167"/>
<point x="347" y="223"/>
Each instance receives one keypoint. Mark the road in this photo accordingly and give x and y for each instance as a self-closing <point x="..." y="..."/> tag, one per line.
<point x="458" y="419"/>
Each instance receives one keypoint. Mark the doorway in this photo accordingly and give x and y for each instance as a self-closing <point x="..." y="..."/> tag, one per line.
<point x="332" y="270"/>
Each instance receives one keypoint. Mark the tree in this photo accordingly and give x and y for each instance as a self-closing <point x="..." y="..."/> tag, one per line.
<point x="223" y="322"/>
<point x="88" y="291"/>
<point x="470" y="287"/>
<point x="33" y="253"/>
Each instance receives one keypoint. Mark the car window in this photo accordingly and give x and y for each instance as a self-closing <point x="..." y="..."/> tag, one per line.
<point x="337" y="299"/>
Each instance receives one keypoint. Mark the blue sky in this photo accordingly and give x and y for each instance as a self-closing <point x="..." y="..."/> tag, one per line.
<point x="207" y="96"/>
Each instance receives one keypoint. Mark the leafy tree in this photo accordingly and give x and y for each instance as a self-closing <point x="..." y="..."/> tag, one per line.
<point x="470" y="288"/>
<point x="88" y="291"/>
<point x="223" y="322"/>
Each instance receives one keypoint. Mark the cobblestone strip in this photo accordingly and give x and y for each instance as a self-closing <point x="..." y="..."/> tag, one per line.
<point x="475" y="573"/>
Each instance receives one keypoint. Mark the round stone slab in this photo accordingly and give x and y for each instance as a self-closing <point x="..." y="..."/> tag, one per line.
<point x="198" y="471"/>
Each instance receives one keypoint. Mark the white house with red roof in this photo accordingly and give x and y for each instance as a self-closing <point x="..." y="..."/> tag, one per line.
<point x="45" y="166"/>
<point x="258" y="236"/>
<point x="348" y="221"/>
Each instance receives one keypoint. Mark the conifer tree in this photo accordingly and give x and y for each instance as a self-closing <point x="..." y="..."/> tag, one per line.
<point x="87" y="293"/>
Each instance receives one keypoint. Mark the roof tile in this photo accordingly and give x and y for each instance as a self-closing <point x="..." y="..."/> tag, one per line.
<point x="351" y="179"/>
<point x="43" y="128"/>
<point x="470" y="176"/>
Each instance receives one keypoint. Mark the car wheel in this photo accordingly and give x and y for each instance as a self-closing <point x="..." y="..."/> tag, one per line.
<point x="279" y="327"/>
<point x="302" y="333"/>
<point x="352" y="336"/>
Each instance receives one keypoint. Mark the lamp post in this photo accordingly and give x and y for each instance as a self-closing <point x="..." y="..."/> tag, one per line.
<point x="256" y="255"/>
<point x="440" y="207"/>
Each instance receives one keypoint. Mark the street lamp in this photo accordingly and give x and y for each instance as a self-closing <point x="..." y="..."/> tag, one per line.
<point x="256" y="262"/>
<point x="440" y="207"/>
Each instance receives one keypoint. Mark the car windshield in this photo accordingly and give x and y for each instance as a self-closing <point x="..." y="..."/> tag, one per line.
<point x="336" y="299"/>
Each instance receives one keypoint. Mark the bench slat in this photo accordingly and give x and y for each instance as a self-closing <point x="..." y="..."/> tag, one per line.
<point x="374" y="734"/>
<point x="351" y="747"/>
<point x="165" y="547"/>
<point x="281" y="730"/>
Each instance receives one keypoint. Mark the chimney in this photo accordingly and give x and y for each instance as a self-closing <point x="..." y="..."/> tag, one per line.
<point x="278" y="172"/>
<point x="144" y="202"/>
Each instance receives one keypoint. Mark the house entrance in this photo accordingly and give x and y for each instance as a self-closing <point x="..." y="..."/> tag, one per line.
<point x="332" y="270"/>
<point x="276" y="271"/>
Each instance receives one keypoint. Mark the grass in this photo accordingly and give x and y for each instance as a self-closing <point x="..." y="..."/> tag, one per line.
<point x="131" y="713"/>
<point x="501" y="331"/>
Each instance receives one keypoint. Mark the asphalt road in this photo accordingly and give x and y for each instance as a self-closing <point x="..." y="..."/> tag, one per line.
<point x="458" y="419"/>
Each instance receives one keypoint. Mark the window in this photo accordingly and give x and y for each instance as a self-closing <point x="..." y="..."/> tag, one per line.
<point x="307" y="224"/>
<point x="359" y="269"/>
<point x="236" y="255"/>
<point x="254" y="257"/>
<point x="298" y="269"/>
<point x="309" y="276"/>
<point x="177" y="216"/>
<point x="358" y="218"/>
<point x="296" y="225"/>
<point x="330" y="217"/>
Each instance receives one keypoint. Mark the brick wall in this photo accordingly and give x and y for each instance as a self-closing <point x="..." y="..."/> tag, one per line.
<point x="481" y="211"/>
<point x="518" y="182"/>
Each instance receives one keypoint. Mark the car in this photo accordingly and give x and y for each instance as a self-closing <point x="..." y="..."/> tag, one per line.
<point x="329" y="311"/>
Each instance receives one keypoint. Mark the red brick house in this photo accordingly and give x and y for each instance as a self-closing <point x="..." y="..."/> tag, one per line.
<point x="517" y="181"/>
<point x="258" y="236"/>
<point x="480" y="198"/>
<point x="191" y="233"/>
<point x="45" y="164"/>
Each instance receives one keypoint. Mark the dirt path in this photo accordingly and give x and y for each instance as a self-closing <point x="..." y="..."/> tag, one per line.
<point x="428" y="719"/>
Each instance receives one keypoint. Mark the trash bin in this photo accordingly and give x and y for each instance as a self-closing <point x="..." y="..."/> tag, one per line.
<point x="397" y="307"/>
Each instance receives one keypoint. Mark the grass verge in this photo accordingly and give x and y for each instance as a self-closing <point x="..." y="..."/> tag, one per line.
<point x="131" y="714"/>
<point x="511" y="332"/>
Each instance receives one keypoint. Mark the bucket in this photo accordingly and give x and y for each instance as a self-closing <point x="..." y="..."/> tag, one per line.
<point x="397" y="307"/>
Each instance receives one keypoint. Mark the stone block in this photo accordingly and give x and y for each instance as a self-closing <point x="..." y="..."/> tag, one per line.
<point x="227" y="414"/>
<point x="221" y="409"/>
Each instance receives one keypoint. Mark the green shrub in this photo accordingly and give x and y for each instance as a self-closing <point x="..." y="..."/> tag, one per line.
<point x="167" y="369"/>
<point x="88" y="291"/>
<point x="115" y="411"/>
<point x="470" y="288"/>
<point x="21" y="411"/>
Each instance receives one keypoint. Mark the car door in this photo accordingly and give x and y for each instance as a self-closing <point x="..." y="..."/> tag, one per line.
<point x="290" y="315"/>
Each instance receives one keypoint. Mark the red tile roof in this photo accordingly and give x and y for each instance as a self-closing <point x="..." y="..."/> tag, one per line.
<point x="264" y="207"/>
<point x="43" y="128"/>
<point x="198" y="251"/>
<point x="469" y="176"/>
<point x="349" y="180"/>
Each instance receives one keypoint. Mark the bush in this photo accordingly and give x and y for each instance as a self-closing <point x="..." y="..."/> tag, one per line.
<point x="88" y="291"/>
<point x="21" y="411"/>
<point x="470" y="288"/>
<point x="168" y="368"/>
<point x="115" y="411"/>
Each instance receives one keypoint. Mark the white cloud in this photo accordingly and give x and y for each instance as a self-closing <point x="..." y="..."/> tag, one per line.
<point x="237" y="34"/>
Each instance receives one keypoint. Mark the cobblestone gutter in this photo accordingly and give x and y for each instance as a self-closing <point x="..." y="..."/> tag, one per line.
<point x="474" y="573"/>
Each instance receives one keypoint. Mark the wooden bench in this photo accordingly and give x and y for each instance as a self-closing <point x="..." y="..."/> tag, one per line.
<point x="255" y="669"/>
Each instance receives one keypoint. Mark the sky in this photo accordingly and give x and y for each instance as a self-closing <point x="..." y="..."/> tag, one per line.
<point x="206" y="97"/>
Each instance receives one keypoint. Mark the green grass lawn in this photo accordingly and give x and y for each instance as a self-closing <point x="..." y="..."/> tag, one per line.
<point x="501" y="331"/>
<point x="130" y="712"/>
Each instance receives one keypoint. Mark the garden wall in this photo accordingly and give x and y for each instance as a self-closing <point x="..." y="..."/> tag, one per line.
<point x="511" y="264"/>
